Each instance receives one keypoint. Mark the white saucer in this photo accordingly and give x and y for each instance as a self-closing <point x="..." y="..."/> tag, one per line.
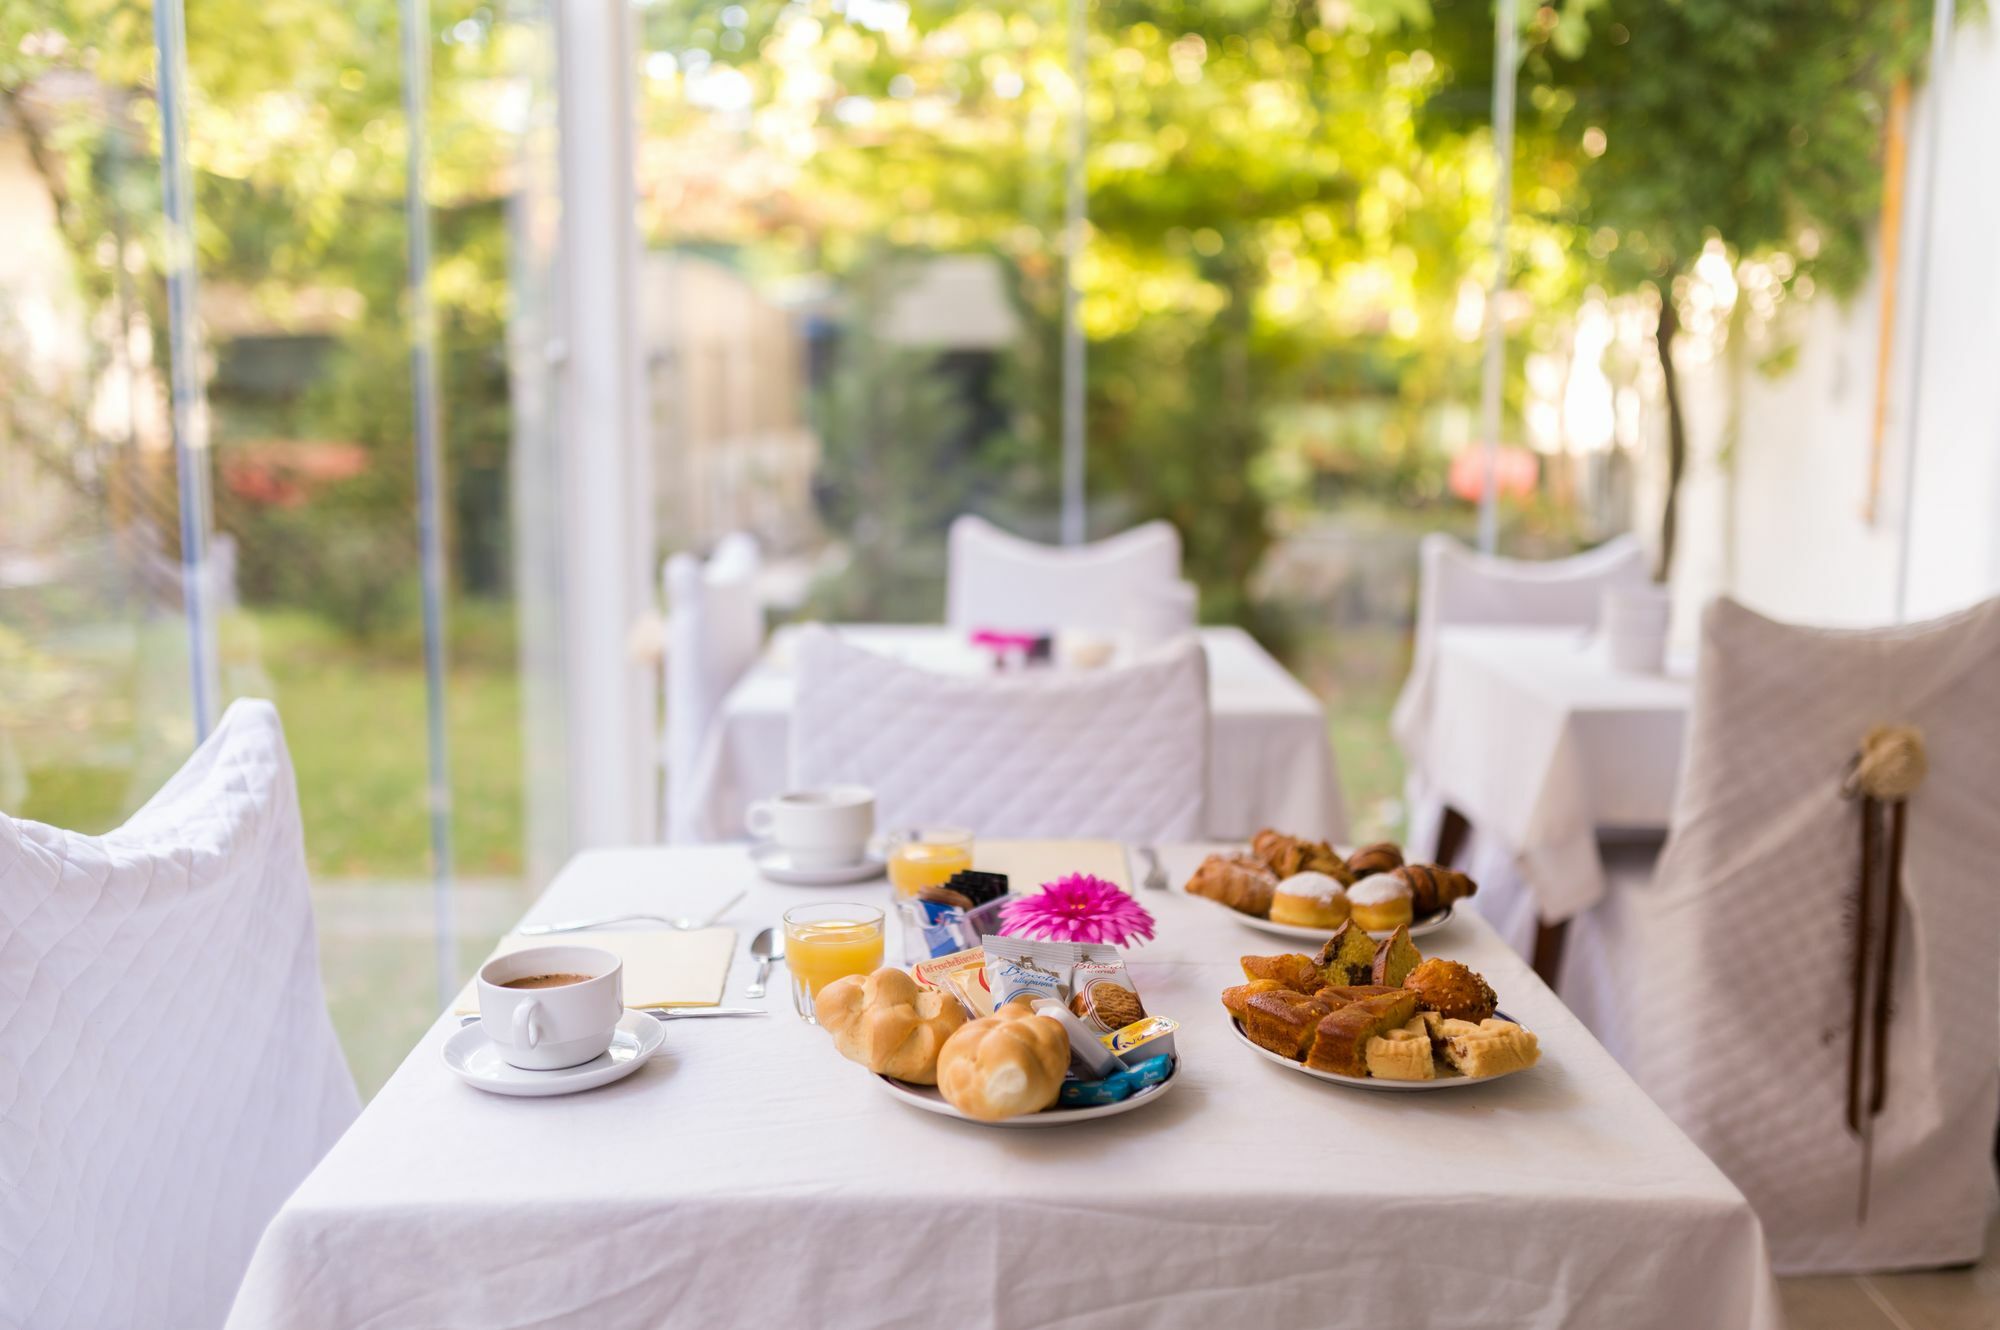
<point x="930" y="1100"/>
<point x="473" y="1056"/>
<point x="775" y="863"/>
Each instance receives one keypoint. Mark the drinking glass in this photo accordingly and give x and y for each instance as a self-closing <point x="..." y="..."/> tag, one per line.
<point x="927" y="857"/>
<point x="824" y="943"/>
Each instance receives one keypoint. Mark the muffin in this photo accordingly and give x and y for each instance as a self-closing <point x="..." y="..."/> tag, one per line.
<point x="1380" y="904"/>
<point x="1310" y="900"/>
<point x="1454" y="991"/>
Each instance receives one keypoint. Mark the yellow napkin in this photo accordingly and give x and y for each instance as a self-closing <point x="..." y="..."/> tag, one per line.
<point x="664" y="967"/>
<point x="1030" y="863"/>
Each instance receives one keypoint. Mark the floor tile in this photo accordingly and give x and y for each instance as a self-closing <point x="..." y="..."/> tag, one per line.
<point x="1946" y="1300"/>
<point x="1831" y="1302"/>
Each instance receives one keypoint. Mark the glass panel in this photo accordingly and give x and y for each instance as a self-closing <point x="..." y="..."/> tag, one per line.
<point x="94" y="687"/>
<point x="852" y="216"/>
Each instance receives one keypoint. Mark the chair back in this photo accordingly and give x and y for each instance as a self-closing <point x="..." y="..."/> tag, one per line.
<point x="168" y="1073"/>
<point x="1120" y="753"/>
<point x="998" y="580"/>
<point x="1728" y="982"/>
<point x="715" y="629"/>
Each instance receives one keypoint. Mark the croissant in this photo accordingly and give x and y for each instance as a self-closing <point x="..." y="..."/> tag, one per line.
<point x="1300" y="973"/>
<point x="1238" y="881"/>
<point x="1381" y="857"/>
<point x="1433" y="887"/>
<point x="1286" y="855"/>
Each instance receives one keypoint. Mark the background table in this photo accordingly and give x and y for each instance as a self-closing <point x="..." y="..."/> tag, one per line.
<point x="1541" y="744"/>
<point x="750" y="1173"/>
<point x="1270" y="758"/>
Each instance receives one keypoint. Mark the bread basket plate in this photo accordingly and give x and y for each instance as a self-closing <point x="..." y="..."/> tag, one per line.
<point x="930" y="1100"/>
<point x="1447" y="1078"/>
<point x="1430" y="923"/>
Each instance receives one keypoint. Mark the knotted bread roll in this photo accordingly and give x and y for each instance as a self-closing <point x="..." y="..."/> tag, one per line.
<point x="889" y="1023"/>
<point x="1004" y="1065"/>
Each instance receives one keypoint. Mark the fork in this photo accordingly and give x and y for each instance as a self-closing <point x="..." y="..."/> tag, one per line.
<point x="577" y="925"/>
<point x="1156" y="876"/>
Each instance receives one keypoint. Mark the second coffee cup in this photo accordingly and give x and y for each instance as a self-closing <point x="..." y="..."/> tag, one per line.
<point x="824" y="828"/>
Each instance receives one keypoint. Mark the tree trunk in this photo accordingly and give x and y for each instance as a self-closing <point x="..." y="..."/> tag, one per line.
<point x="1669" y="324"/>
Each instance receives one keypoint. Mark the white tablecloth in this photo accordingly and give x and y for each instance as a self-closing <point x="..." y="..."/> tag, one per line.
<point x="750" y="1174"/>
<point x="1540" y="743"/>
<point x="1270" y="759"/>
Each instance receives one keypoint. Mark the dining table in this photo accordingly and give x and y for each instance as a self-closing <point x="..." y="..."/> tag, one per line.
<point x="748" y="1173"/>
<point x="1544" y="748"/>
<point x="1270" y="756"/>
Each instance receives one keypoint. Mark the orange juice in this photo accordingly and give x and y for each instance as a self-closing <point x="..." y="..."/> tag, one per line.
<point x="820" y="952"/>
<point x="920" y="864"/>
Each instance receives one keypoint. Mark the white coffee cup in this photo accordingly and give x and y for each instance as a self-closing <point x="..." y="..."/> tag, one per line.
<point x="1633" y="622"/>
<point x="566" y="1025"/>
<point x="826" y="828"/>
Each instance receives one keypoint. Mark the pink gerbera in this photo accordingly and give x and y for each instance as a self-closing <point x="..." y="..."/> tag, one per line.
<point x="1078" y="908"/>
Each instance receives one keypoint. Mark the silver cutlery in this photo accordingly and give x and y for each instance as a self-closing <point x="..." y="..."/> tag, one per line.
<point x="1156" y="876"/>
<point x="764" y="948"/>
<point x="668" y="1013"/>
<point x="683" y="923"/>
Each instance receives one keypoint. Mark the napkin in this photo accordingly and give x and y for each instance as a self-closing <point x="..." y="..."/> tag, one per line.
<point x="1030" y="863"/>
<point x="664" y="967"/>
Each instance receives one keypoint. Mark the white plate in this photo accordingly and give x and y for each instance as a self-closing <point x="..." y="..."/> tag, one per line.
<point x="1447" y="1078"/>
<point x="930" y="1100"/>
<point x="473" y="1056"/>
<point x="1418" y="928"/>
<point x="773" y="862"/>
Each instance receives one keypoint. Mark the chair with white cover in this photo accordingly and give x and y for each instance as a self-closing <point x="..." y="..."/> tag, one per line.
<point x="1724" y="979"/>
<point x="168" y="1073"/>
<point x="1116" y="753"/>
<point x="998" y="580"/>
<point x="715" y="629"/>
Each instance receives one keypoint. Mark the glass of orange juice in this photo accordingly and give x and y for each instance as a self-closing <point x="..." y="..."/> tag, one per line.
<point x="927" y="857"/>
<point x="824" y="943"/>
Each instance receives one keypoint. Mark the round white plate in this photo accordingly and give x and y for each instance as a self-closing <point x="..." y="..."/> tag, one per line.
<point x="1447" y="1078"/>
<point x="773" y="862"/>
<point x="930" y="1100"/>
<point x="1418" y="928"/>
<point x="473" y="1056"/>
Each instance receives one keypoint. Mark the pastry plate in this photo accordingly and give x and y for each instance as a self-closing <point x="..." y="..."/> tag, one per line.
<point x="1447" y="1079"/>
<point x="1418" y="927"/>
<point x="930" y="1100"/>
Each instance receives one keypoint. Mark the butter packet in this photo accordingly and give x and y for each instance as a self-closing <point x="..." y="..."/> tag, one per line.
<point x="1118" y="1086"/>
<point x="961" y="974"/>
<point x="1103" y="996"/>
<point x="1148" y="1038"/>
<point x="1034" y="968"/>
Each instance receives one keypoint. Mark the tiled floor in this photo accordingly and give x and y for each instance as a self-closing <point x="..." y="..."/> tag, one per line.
<point x="1957" y="1300"/>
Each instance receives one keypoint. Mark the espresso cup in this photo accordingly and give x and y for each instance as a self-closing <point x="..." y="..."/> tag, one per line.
<point x="566" y="1025"/>
<point x="826" y="828"/>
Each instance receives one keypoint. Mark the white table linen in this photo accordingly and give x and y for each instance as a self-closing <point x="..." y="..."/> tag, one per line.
<point x="1270" y="761"/>
<point x="750" y="1173"/>
<point x="1541" y="744"/>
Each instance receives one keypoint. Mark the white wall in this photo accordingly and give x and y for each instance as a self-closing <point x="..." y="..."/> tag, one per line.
<point x="1801" y="546"/>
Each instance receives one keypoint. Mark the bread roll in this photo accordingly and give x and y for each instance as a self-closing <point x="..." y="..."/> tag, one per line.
<point x="889" y="1023"/>
<point x="1004" y="1065"/>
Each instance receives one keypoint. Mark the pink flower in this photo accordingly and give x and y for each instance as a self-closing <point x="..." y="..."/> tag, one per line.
<point x="1078" y="908"/>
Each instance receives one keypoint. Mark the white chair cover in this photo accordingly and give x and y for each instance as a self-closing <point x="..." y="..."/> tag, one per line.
<point x="1724" y="983"/>
<point x="1000" y="581"/>
<point x="1115" y="753"/>
<point x="168" y="1073"/>
<point x="715" y="628"/>
<point x="1457" y="587"/>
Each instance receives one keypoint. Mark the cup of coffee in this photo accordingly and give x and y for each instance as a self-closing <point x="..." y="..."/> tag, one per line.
<point x="551" y="1007"/>
<point x="825" y="828"/>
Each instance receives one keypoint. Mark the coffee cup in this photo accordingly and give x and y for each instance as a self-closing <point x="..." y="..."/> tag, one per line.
<point x="546" y="1008"/>
<point x="824" y="828"/>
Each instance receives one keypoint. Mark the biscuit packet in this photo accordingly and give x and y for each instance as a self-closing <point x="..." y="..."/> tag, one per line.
<point x="1103" y="995"/>
<point x="1034" y="968"/>
<point x="961" y="974"/>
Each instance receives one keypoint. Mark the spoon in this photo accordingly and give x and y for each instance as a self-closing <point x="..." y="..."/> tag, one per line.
<point x="763" y="948"/>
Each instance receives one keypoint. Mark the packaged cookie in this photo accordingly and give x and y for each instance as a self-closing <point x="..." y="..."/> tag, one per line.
<point x="1031" y="967"/>
<point x="1104" y="996"/>
<point x="963" y="975"/>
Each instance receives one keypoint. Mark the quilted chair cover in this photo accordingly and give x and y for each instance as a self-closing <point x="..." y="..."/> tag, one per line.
<point x="1459" y="587"/>
<point x="715" y="628"/>
<point x="1724" y="984"/>
<point x="1116" y="753"/>
<point x="168" y="1073"/>
<point x="1000" y="581"/>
